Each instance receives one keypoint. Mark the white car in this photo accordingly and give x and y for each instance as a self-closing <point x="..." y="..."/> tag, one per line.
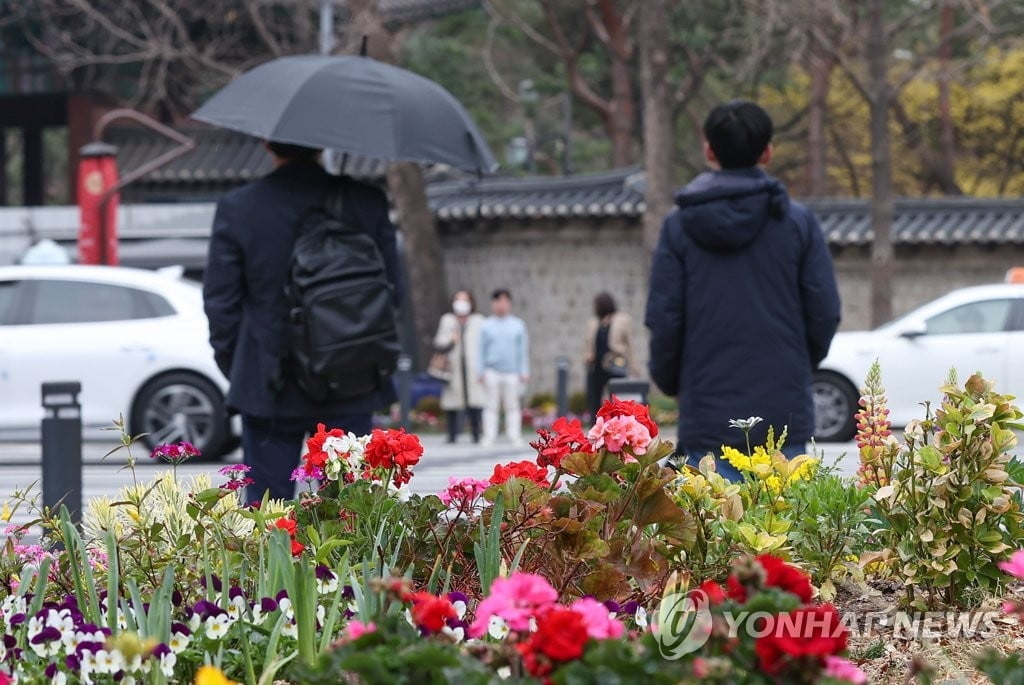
<point x="136" y="340"/>
<point x="973" y="329"/>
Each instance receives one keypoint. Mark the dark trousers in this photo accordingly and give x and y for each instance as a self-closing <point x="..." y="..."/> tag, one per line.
<point x="271" y="448"/>
<point x="597" y="379"/>
<point x="456" y="418"/>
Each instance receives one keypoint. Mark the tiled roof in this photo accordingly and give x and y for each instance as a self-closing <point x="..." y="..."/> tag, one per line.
<point x="221" y="158"/>
<point x="613" y="193"/>
<point x="946" y="221"/>
<point x="942" y="221"/>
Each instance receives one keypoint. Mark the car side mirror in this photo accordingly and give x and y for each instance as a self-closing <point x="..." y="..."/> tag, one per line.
<point x="914" y="331"/>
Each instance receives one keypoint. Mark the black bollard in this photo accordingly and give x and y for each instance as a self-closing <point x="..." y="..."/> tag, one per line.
<point x="62" y="447"/>
<point x="562" y="385"/>
<point x="405" y="390"/>
<point x="629" y="389"/>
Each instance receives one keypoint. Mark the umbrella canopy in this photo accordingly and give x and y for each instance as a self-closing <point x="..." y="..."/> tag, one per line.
<point x="353" y="104"/>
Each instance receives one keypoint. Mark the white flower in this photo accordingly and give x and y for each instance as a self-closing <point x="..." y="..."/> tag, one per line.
<point x="236" y="607"/>
<point x="745" y="424"/>
<point x="640" y="617"/>
<point x="327" y="587"/>
<point x="217" y="626"/>
<point x="289" y="629"/>
<point x="321" y="614"/>
<point x="35" y="626"/>
<point x="178" y="642"/>
<point x="167" y="663"/>
<point x="458" y="633"/>
<point x="194" y="622"/>
<point x="285" y="605"/>
<point x="497" y="628"/>
<point x="505" y="672"/>
<point x="109" y="661"/>
<point x="460" y="608"/>
<point x="61" y="678"/>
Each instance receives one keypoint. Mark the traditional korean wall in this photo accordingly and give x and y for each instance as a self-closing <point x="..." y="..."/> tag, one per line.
<point x="554" y="268"/>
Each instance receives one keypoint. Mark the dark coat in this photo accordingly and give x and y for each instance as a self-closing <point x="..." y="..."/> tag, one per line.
<point x="254" y="230"/>
<point x="742" y="308"/>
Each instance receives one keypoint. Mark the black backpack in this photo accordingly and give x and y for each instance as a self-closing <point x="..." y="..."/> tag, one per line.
<point x="342" y="333"/>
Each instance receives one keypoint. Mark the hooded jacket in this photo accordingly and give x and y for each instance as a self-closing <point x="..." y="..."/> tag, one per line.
<point x="742" y="308"/>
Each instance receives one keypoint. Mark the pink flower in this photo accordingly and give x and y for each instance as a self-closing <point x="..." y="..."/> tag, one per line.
<point x="599" y="622"/>
<point x="462" y="492"/>
<point x="619" y="432"/>
<point x="515" y="599"/>
<point x="356" y="629"/>
<point x="841" y="669"/>
<point x="1015" y="566"/>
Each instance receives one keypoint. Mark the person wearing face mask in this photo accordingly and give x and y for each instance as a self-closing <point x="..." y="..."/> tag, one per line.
<point x="458" y="336"/>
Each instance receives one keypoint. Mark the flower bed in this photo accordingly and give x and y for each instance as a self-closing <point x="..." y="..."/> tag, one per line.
<point x="592" y="563"/>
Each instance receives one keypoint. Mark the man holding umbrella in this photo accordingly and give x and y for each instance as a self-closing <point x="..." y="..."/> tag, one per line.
<point x="353" y="104"/>
<point x="254" y="233"/>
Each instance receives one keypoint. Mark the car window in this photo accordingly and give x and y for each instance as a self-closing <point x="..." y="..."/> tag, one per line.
<point x="987" y="316"/>
<point x="83" y="302"/>
<point x="6" y="300"/>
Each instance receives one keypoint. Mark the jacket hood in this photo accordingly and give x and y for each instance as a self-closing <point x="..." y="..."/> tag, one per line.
<point x="725" y="210"/>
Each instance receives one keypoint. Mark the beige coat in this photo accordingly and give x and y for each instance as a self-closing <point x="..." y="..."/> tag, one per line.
<point x="453" y="397"/>
<point x="620" y="339"/>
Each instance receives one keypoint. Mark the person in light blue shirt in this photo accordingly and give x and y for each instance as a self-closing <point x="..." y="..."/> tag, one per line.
<point x="504" y="361"/>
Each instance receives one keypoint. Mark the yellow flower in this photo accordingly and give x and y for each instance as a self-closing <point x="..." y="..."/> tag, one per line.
<point x="6" y="513"/>
<point x="774" y="484"/>
<point x="211" y="675"/>
<point x="736" y="458"/>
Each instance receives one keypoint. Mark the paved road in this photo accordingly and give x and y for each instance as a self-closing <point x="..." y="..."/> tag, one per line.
<point x="20" y="467"/>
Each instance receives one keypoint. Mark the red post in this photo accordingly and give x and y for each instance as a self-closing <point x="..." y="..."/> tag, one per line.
<point x="97" y="204"/>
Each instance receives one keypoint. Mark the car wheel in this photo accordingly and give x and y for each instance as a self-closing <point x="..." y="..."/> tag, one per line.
<point x="835" y="404"/>
<point x="182" y="406"/>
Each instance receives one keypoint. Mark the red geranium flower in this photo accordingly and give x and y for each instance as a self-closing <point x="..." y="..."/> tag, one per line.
<point x="814" y="631"/>
<point x="561" y="635"/>
<point x="389" y="448"/>
<point x="777" y="574"/>
<point x="430" y="613"/>
<point x="526" y="470"/>
<point x="288" y="525"/>
<point x="712" y="590"/>
<point x="394" y="449"/>
<point x="616" y="407"/>
<point x="565" y="437"/>
<point x="316" y="456"/>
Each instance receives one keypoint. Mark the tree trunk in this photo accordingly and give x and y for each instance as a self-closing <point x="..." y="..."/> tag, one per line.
<point x="819" y="67"/>
<point x="622" y="114"/>
<point x="659" y="134"/>
<point x="946" y="168"/>
<point x="421" y="248"/>
<point x="881" y="165"/>
<point x="421" y="244"/>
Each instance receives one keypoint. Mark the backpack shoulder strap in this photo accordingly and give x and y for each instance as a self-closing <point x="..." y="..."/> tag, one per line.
<point x="334" y="199"/>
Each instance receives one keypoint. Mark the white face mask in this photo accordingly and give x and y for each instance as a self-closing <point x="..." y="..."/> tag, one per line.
<point x="462" y="307"/>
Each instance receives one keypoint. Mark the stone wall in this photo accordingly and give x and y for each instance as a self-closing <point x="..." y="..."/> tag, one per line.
<point x="554" y="268"/>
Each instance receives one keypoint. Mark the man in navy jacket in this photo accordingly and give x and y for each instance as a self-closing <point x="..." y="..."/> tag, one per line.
<point x="254" y="230"/>
<point x="743" y="301"/>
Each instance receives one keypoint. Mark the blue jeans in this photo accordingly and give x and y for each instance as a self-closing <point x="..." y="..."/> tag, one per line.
<point x="727" y="470"/>
<point x="271" y="448"/>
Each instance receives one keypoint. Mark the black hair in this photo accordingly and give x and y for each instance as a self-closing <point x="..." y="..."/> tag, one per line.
<point x="467" y="293"/>
<point x="294" y="153"/>
<point x="738" y="133"/>
<point x="500" y="293"/>
<point x="604" y="305"/>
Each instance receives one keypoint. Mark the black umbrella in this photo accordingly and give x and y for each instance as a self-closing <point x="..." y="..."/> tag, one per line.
<point x="353" y="104"/>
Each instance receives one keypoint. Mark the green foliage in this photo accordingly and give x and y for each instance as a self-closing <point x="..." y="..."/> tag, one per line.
<point x="1002" y="670"/>
<point x="831" y="519"/>
<point x="951" y="510"/>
